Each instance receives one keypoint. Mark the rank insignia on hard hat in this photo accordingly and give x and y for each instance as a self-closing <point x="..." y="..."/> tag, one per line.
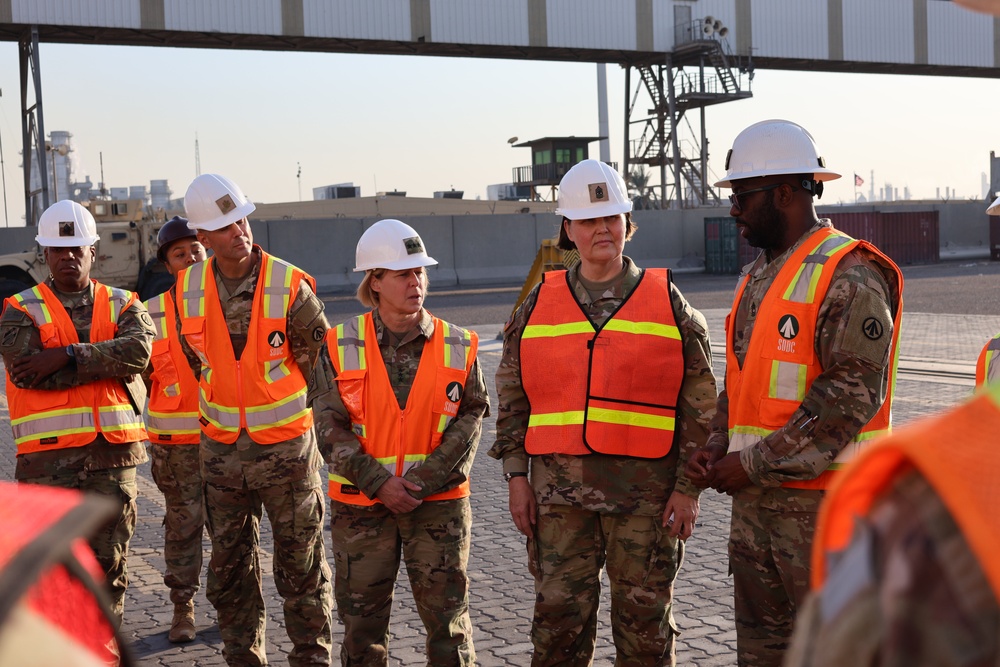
<point x="413" y="245"/>
<point x="66" y="228"/>
<point x="225" y="203"/>
<point x="454" y="391"/>
<point x="598" y="192"/>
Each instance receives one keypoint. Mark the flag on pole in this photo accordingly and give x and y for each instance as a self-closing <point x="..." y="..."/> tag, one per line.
<point x="858" y="181"/>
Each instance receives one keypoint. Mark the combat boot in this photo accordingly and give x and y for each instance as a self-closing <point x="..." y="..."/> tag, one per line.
<point x="182" y="627"/>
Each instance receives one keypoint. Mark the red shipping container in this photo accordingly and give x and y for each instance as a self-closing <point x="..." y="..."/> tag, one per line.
<point x="907" y="237"/>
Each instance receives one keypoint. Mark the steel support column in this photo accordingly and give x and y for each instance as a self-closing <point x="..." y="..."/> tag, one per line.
<point x="33" y="130"/>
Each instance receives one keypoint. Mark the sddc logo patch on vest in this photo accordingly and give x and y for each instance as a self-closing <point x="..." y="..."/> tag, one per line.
<point x="276" y="339"/>
<point x="788" y="327"/>
<point x="454" y="391"/>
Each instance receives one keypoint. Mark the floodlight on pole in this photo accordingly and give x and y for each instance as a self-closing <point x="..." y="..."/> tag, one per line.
<point x="61" y="149"/>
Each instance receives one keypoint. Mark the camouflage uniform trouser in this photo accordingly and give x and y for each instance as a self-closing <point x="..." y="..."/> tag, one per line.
<point x="110" y="544"/>
<point x="177" y="473"/>
<point x="566" y="556"/>
<point x="769" y="556"/>
<point x="434" y="539"/>
<point x="301" y="573"/>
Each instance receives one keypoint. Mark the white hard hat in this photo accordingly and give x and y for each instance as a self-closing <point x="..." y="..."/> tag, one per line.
<point x="994" y="208"/>
<point x="213" y="202"/>
<point x="592" y="189"/>
<point x="66" y="224"/>
<point x="391" y="244"/>
<point x="774" y="147"/>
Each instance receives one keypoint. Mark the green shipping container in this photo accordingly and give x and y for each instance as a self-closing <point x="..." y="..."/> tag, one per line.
<point x="722" y="246"/>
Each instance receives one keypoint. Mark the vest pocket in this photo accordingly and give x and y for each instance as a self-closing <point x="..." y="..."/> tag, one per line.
<point x="351" y="385"/>
<point x="775" y="412"/>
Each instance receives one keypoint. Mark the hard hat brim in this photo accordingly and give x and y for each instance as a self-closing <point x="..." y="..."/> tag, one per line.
<point x="599" y="211"/>
<point x="221" y="222"/>
<point x="399" y="265"/>
<point x="821" y="174"/>
<point x="66" y="241"/>
<point x="994" y="208"/>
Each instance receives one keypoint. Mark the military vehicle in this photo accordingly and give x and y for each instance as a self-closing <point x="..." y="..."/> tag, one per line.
<point x="126" y="252"/>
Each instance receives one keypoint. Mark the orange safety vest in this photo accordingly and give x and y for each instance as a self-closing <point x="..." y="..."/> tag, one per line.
<point x="172" y="413"/>
<point x="964" y="477"/>
<point x="781" y="360"/>
<point x="49" y="419"/>
<point x="264" y="391"/>
<point x="988" y="365"/>
<point x="400" y="440"/>
<point x="611" y="390"/>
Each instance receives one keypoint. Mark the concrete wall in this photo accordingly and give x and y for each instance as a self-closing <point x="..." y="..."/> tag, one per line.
<point x="494" y="249"/>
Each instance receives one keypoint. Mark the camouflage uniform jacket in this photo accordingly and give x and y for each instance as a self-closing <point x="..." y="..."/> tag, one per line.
<point x="911" y="592"/>
<point x="125" y="357"/>
<point x="597" y="482"/>
<point x="263" y="465"/>
<point x="447" y="466"/>
<point x="856" y="370"/>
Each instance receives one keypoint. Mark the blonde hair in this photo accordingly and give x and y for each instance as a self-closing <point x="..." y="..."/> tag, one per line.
<point x="366" y="295"/>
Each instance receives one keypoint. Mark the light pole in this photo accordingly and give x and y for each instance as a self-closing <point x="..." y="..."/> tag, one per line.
<point x="61" y="149"/>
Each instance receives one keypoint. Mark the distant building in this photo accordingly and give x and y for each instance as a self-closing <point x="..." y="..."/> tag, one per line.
<point x="336" y="191"/>
<point x="508" y="192"/>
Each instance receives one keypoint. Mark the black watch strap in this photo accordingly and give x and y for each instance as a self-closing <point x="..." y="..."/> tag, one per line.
<point x="507" y="476"/>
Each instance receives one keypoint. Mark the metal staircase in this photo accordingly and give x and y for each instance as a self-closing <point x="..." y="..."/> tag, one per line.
<point x="699" y="72"/>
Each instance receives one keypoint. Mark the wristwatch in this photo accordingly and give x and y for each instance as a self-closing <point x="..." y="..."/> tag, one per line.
<point x="70" y="352"/>
<point x="507" y="476"/>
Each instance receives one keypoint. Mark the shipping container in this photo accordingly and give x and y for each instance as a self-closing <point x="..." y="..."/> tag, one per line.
<point x="907" y="237"/>
<point x="726" y="251"/>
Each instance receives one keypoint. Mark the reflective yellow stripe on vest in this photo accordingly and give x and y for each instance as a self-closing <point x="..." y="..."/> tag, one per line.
<point x="35" y="306"/>
<point x="176" y="423"/>
<point x="278" y="413"/>
<point x="410" y="461"/>
<point x="276" y="293"/>
<point x="351" y="336"/>
<point x="788" y="380"/>
<point x="157" y="308"/>
<point x="55" y="423"/>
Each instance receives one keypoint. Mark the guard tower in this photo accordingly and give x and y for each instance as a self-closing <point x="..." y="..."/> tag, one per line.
<point x="700" y="71"/>
<point x="551" y="158"/>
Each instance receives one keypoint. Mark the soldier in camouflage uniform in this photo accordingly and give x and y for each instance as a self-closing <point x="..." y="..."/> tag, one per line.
<point x="793" y="402"/>
<point x="619" y="497"/>
<point x="174" y="434"/>
<point x="400" y="480"/>
<point x="57" y="352"/>
<point x="252" y="327"/>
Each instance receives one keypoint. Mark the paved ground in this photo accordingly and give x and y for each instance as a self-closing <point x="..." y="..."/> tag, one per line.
<point x="501" y="586"/>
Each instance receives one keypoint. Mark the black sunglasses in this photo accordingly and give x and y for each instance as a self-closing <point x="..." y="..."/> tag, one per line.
<point x="734" y="199"/>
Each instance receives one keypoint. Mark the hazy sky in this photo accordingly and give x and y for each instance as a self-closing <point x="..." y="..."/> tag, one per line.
<point x="422" y="124"/>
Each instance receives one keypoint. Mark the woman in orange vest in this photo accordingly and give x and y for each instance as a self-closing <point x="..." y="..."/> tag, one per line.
<point x="399" y="401"/>
<point x="605" y="388"/>
<point x="174" y="433"/>
<point x="905" y="566"/>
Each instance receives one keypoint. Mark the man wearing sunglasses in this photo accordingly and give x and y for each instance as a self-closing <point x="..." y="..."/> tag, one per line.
<point x="810" y="345"/>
